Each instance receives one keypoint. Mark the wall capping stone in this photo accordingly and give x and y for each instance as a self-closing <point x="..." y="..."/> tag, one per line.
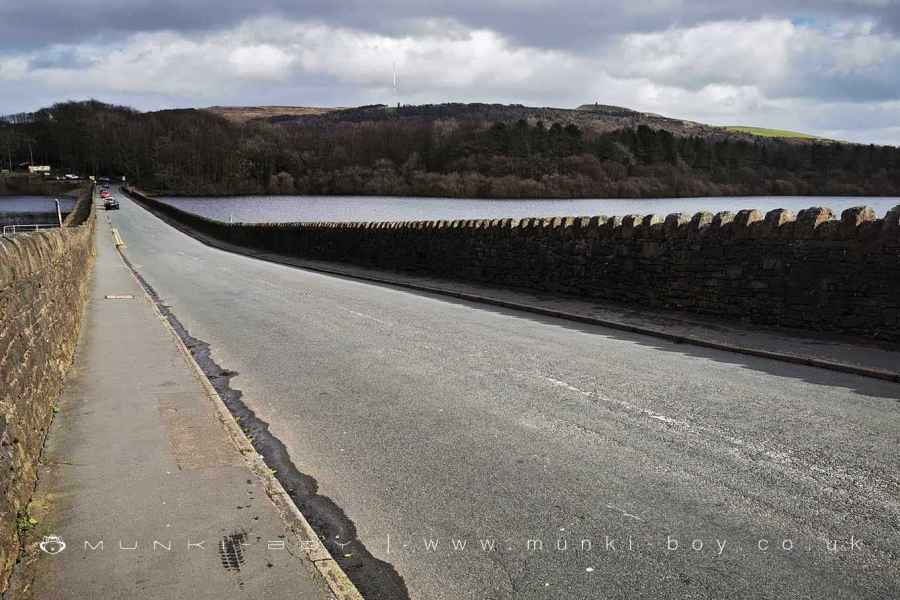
<point x="775" y="224"/>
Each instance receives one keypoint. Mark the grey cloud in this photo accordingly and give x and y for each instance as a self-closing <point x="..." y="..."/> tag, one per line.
<point x="58" y="58"/>
<point x="561" y="24"/>
<point x="857" y="89"/>
<point x="804" y="87"/>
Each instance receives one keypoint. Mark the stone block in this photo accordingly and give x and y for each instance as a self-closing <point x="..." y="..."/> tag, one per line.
<point x="808" y="220"/>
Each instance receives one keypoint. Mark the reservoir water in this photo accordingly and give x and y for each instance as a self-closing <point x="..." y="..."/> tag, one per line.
<point x="24" y="204"/>
<point x="260" y="209"/>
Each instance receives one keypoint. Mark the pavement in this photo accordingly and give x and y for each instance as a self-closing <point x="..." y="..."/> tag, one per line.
<point x="142" y="480"/>
<point x="469" y="450"/>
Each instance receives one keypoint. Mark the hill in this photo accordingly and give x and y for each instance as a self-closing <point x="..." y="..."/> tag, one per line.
<point x="452" y="150"/>
<point x="243" y="114"/>
<point x="774" y="133"/>
<point x="596" y="118"/>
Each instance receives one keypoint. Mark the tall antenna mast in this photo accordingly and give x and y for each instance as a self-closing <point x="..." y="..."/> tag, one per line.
<point x="396" y="85"/>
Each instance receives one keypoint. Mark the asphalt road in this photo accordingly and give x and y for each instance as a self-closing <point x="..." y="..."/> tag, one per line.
<point x="425" y="418"/>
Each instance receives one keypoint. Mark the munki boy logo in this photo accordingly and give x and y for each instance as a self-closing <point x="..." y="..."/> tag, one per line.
<point x="52" y="544"/>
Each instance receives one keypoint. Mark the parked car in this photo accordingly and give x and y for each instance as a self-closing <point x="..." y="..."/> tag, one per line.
<point x="111" y="204"/>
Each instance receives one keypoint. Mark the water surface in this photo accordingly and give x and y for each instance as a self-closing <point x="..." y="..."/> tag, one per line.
<point x="260" y="209"/>
<point x="25" y="204"/>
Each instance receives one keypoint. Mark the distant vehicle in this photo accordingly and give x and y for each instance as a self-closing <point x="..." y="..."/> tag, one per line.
<point x="38" y="168"/>
<point x="105" y="194"/>
<point x="71" y="177"/>
<point x="103" y="179"/>
<point x="111" y="204"/>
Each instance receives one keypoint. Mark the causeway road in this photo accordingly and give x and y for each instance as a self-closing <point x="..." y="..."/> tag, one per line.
<point x="453" y="450"/>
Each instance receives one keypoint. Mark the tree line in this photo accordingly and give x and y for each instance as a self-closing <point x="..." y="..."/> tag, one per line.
<point x="195" y="152"/>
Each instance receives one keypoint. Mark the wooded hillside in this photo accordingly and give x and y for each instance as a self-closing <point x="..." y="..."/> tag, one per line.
<point x="439" y="150"/>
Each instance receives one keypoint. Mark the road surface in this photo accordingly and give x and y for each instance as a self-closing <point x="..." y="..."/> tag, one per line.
<point x="485" y="453"/>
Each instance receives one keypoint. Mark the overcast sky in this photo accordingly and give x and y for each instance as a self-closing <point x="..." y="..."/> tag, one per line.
<point x="825" y="67"/>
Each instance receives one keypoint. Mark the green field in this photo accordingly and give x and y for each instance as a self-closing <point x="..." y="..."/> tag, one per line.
<point x="762" y="131"/>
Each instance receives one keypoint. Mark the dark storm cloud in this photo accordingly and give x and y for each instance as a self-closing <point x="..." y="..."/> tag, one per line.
<point x="561" y="24"/>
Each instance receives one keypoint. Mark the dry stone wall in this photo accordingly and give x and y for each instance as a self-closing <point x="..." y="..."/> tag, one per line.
<point x="43" y="285"/>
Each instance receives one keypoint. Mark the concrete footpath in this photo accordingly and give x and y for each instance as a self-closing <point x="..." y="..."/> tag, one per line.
<point x="142" y="479"/>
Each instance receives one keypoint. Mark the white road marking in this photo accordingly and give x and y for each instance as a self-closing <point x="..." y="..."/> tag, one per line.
<point x="783" y="459"/>
<point x="626" y="405"/>
<point x="624" y="513"/>
<point x="365" y="316"/>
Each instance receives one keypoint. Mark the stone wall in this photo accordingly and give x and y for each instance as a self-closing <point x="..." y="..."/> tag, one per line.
<point x="43" y="285"/>
<point x="810" y="271"/>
